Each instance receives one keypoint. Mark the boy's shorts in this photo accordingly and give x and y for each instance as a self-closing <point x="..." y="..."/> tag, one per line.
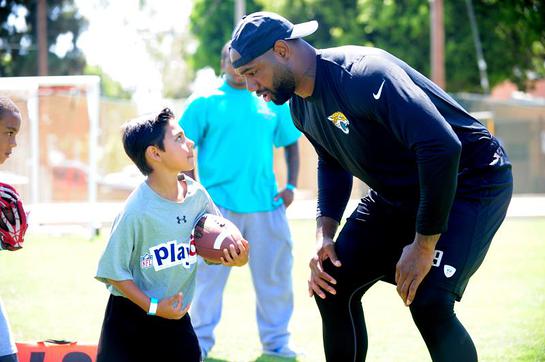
<point x="129" y="334"/>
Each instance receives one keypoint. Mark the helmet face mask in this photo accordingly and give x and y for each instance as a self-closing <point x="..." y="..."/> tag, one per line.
<point x="13" y="222"/>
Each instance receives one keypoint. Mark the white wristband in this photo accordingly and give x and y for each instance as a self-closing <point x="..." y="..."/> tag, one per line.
<point x="291" y="187"/>
<point x="152" y="306"/>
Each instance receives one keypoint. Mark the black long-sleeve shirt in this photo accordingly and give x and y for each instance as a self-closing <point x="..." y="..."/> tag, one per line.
<point x="373" y="116"/>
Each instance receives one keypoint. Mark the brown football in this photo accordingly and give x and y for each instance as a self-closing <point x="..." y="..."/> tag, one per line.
<point x="214" y="233"/>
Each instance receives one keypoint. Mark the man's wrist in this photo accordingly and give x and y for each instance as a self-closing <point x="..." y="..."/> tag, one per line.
<point x="291" y="187"/>
<point x="426" y="241"/>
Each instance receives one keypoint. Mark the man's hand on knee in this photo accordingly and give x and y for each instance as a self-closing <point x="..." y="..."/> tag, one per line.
<point x="320" y="280"/>
<point x="414" y="264"/>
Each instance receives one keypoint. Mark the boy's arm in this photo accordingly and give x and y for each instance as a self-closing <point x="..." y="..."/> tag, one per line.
<point x="169" y="308"/>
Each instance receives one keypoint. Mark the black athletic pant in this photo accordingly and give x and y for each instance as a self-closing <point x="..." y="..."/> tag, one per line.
<point x="129" y="335"/>
<point x="369" y="247"/>
<point x="9" y="358"/>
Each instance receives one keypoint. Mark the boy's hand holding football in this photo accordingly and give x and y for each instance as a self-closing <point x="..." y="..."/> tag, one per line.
<point x="231" y="258"/>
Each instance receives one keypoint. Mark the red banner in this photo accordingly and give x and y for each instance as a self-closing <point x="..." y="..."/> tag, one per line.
<point x="56" y="351"/>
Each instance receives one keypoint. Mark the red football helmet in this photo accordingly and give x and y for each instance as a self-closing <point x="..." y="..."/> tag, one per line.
<point x="13" y="222"/>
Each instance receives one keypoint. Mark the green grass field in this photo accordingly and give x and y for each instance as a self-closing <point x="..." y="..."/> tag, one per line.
<point x="49" y="292"/>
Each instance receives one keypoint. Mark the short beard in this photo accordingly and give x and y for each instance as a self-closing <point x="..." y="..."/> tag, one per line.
<point x="283" y="87"/>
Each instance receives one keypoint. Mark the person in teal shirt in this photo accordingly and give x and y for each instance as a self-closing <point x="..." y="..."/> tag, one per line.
<point x="235" y="133"/>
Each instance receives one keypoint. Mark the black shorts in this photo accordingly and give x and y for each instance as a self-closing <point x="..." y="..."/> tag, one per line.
<point x="129" y="334"/>
<point x="371" y="242"/>
<point x="9" y="358"/>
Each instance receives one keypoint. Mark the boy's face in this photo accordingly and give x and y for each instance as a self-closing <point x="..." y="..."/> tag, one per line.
<point x="9" y="127"/>
<point x="178" y="153"/>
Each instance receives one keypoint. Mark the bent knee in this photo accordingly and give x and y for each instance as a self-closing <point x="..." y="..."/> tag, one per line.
<point x="433" y="305"/>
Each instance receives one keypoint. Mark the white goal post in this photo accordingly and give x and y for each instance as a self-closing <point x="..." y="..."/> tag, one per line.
<point x="30" y="86"/>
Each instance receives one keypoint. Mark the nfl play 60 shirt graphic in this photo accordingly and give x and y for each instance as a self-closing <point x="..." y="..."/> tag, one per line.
<point x="168" y="254"/>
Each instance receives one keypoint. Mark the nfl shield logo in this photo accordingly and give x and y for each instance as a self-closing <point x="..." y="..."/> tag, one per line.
<point x="449" y="270"/>
<point x="146" y="261"/>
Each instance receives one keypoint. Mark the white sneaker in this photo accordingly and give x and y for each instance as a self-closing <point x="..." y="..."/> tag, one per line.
<point x="204" y="354"/>
<point x="284" y="352"/>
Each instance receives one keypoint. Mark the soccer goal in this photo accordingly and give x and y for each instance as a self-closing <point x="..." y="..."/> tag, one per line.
<point x="56" y="158"/>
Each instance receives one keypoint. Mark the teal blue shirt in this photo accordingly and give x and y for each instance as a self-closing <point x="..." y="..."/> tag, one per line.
<point x="234" y="132"/>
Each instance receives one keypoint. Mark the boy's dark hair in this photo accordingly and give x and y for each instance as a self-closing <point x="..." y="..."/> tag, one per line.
<point x="7" y="105"/>
<point x="139" y="134"/>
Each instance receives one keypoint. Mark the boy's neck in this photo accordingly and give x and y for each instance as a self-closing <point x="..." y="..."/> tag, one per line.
<point x="167" y="185"/>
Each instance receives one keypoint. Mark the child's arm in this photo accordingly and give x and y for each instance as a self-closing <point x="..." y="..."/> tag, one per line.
<point x="231" y="258"/>
<point x="169" y="308"/>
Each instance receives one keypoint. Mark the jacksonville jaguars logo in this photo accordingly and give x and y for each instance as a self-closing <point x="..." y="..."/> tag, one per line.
<point x="340" y="121"/>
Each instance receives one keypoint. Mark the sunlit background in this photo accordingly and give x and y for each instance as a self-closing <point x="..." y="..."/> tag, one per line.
<point x="149" y="54"/>
<point x="79" y="69"/>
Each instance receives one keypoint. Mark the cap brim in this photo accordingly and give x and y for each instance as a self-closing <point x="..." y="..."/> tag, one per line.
<point x="303" y="29"/>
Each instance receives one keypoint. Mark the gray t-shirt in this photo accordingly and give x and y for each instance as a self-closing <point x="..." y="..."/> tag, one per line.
<point x="151" y="244"/>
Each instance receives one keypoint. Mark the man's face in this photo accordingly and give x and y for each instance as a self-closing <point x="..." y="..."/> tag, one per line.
<point x="267" y="77"/>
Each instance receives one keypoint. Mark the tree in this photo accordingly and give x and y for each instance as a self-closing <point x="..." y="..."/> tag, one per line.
<point x="211" y="22"/>
<point x="512" y="33"/>
<point x="18" y="40"/>
<point x="513" y="37"/>
<point x="108" y="87"/>
<point x="167" y="47"/>
<point x="401" y="27"/>
<point x="168" y="50"/>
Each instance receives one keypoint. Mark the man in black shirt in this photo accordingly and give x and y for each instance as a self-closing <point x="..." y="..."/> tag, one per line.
<point x="440" y="182"/>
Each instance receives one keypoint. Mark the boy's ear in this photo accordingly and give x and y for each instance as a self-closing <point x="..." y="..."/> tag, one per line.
<point x="152" y="153"/>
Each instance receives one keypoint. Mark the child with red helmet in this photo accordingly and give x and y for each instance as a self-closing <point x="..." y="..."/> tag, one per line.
<point x="13" y="223"/>
<point x="12" y="215"/>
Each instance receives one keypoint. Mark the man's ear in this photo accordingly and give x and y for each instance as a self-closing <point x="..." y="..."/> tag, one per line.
<point x="282" y="49"/>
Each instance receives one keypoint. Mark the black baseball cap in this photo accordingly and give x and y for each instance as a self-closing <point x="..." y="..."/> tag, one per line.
<point x="257" y="32"/>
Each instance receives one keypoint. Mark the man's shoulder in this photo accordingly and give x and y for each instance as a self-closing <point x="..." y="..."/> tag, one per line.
<point x="342" y="56"/>
<point x="358" y="69"/>
<point x="354" y="59"/>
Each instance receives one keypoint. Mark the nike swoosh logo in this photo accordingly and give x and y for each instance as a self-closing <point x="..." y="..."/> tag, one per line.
<point x="377" y="95"/>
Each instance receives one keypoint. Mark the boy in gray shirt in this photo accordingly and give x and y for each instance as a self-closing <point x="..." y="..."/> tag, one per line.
<point x="149" y="264"/>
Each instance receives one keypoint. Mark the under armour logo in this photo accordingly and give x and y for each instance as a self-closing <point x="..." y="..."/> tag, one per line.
<point x="179" y="220"/>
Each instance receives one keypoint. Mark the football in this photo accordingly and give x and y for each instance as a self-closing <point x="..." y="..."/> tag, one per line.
<point x="214" y="233"/>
